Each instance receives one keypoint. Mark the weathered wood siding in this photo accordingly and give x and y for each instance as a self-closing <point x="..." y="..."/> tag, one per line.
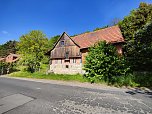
<point x="69" y="46"/>
<point x="84" y="54"/>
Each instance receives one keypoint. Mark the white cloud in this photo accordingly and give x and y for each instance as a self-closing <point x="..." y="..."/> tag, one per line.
<point x="4" y="32"/>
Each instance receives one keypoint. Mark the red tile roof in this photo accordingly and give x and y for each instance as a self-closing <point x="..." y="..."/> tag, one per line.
<point x="110" y="35"/>
<point x="2" y="59"/>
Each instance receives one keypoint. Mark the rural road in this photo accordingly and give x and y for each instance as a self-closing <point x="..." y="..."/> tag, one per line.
<point x="30" y="97"/>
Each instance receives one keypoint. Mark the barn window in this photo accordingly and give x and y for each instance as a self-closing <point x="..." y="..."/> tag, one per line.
<point x="66" y="66"/>
<point x="62" y="43"/>
<point x="74" y="60"/>
<point x="67" y="55"/>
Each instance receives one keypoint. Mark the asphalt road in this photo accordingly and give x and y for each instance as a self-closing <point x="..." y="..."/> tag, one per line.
<point x="29" y="97"/>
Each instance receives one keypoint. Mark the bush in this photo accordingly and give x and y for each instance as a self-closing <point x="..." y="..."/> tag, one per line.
<point x="6" y="68"/>
<point x="128" y="80"/>
<point x="143" y="78"/>
<point x="103" y="63"/>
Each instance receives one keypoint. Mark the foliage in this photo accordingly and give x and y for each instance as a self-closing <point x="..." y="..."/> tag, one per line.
<point x="32" y="47"/>
<point x="103" y="63"/>
<point x="143" y="79"/>
<point x="100" y="28"/>
<point x="137" y="79"/>
<point x="142" y="56"/>
<point x="130" y="25"/>
<point x="128" y="80"/>
<point x="7" y="48"/>
<point x="6" y="68"/>
<point x="114" y="21"/>
<point x="53" y="40"/>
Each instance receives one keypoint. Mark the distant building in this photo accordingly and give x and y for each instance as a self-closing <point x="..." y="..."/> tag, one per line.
<point x="10" y="58"/>
<point x="2" y="59"/>
<point x="68" y="54"/>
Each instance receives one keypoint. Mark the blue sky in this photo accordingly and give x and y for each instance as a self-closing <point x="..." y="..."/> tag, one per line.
<point x="53" y="17"/>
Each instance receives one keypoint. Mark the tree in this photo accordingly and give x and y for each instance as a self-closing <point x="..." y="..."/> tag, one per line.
<point x="7" y="48"/>
<point x="6" y="68"/>
<point x="103" y="63"/>
<point x="143" y="48"/>
<point x="32" y="47"/>
<point x="129" y="26"/>
<point x="53" y="40"/>
<point x="114" y="21"/>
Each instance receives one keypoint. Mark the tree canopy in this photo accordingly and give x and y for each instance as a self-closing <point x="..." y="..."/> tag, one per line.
<point x="134" y="29"/>
<point x="142" y="56"/>
<point x="7" y="48"/>
<point x="133" y="22"/>
<point x="32" y="47"/>
<point x="53" y="40"/>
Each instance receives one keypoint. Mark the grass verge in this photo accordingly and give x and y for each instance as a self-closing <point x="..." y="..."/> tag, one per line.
<point x="40" y="75"/>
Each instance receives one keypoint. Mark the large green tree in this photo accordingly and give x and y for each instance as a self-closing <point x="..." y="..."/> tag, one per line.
<point x="32" y="47"/>
<point x="133" y="22"/>
<point x="142" y="56"/>
<point x="129" y="26"/>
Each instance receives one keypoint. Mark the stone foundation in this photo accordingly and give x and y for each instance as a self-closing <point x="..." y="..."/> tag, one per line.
<point x="66" y="69"/>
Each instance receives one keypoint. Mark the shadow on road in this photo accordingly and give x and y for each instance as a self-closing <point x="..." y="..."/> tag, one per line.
<point x="146" y="92"/>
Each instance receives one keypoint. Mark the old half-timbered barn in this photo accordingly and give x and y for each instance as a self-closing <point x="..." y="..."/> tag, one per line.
<point x="68" y="54"/>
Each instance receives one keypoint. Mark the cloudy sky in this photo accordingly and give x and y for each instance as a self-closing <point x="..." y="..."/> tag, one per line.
<point x="53" y="17"/>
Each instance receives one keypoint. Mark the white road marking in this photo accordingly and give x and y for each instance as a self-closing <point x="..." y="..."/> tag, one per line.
<point x="38" y="88"/>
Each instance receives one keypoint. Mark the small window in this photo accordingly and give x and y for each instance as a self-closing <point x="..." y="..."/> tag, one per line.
<point x="67" y="55"/>
<point x="66" y="66"/>
<point x="74" y="60"/>
<point x="62" y="43"/>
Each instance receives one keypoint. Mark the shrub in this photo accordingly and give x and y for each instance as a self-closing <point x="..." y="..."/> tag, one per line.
<point x="143" y="78"/>
<point x="104" y="63"/>
<point x="6" y="68"/>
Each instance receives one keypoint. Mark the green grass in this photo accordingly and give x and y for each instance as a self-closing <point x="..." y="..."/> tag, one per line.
<point x="138" y="79"/>
<point x="40" y="75"/>
<point x="21" y="72"/>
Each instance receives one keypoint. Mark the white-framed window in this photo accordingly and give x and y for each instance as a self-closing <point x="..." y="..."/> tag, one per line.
<point x="74" y="60"/>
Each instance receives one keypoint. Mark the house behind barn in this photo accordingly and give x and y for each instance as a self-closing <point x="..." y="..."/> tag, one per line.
<point x="10" y="58"/>
<point x="68" y="54"/>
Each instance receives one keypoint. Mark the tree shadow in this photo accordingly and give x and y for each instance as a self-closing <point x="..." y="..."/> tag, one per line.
<point x="147" y="92"/>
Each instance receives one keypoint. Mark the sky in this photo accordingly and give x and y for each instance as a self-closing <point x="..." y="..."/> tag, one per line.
<point x="53" y="17"/>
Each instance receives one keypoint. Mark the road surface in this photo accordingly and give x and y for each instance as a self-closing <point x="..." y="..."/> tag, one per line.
<point x="30" y="97"/>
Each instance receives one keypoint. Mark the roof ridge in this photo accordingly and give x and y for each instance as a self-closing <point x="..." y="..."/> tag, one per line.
<point x="95" y="31"/>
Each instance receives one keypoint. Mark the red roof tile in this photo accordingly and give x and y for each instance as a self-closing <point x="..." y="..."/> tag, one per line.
<point x="110" y="35"/>
<point x="2" y="59"/>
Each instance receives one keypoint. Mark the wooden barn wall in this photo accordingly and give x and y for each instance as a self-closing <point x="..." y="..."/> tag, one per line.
<point x="69" y="46"/>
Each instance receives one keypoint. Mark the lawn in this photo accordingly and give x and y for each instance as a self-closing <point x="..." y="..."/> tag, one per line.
<point x="40" y="75"/>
